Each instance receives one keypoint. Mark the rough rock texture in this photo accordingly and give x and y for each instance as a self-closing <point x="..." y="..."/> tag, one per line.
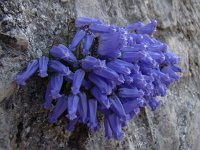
<point x="28" y="28"/>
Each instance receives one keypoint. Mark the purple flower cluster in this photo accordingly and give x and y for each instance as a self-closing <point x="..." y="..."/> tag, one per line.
<point x="112" y="70"/>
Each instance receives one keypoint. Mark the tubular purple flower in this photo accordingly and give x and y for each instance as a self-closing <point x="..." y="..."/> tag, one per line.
<point x="43" y="66"/>
<point x="160" y="90"/>
<point x="176" y="69"/>
<point x="111" y="54"/>
<point x="30" y="70"/>
<point x="139" y="81"/>
<point x="120" y="79"/>
<point x="130" y="41"/>
<point x="101" y="98"/>
<point x="124" y="63"/>
<point x="134" y="26"/>
<point x="159" y="87"/>
<point x="90" y="63"/>
<point x="48" y="97"/>
<point x="101" y="108"/>
<point x="73" y="101"/>
<point x="164" y="78"/>
<point x="148" y="40"/>
<point x="135" y="48"/>
<point x="86" y="84"/>
<point x="148" y="78"/>
<point x="82" y="107"/>
<point x="153" y="103"/>
<point x="92" y="112"/>
<point x="128" y="79"/>
<point x="119" y="68"/>
<point x="149" y="89"/>
<point x="77" y="81"/>
<point x="168" y="70"/>
<point x="83" y="21"/>
<point x="108" y="131"/>
<point x="134" y="112"/>
<point x="137" y="38"/>
<point x="112" y="84"/>
<point x="129" y="106"/>
<point x="100" y="83"/>
<point x="171" y="59"/>
<point x="110" y="44"/>
<point x="71" y="126"/>
<point x="69" y="77"/>
<point x="117" y="107"/>
<point x="61" y="106"/>
<point x="133" y="51"/>
<point x="107" y="73"/>
<point x="133" y="56"/>
<point x="149" y="28"/>
<point x="71" y="57"/>
<point x="149" y="61"/>
<point x="137" y="76"/>
<point x="157" y="48"/>
<point x="58" y="67"/>
<point x="56" y="84"/>
<point x="159" y="57"/>
<point x="145" y="69"/>
<point x="100" y="28"/>
<point x="115" y="126"/>
<point x="88" y="43"/>
<point x="132" y="93"/>
<point x="62" y="52"/>
<point x="77" y="39"/>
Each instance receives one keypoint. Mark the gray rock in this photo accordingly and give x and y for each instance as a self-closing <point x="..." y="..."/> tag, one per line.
<point x="42" y="24"/>
<point x="18" y="42"/>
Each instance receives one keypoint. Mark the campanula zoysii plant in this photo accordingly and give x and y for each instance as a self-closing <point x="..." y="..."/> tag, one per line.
<point x="111" y="70"/>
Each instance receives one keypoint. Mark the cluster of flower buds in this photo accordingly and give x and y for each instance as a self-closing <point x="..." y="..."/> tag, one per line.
<point x="114" y="71"/>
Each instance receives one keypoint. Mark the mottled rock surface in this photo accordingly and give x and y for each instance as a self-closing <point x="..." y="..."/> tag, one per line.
<point x="30" y="28"/>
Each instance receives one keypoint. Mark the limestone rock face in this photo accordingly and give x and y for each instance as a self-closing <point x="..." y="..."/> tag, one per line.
<point x="30" y="28"/>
